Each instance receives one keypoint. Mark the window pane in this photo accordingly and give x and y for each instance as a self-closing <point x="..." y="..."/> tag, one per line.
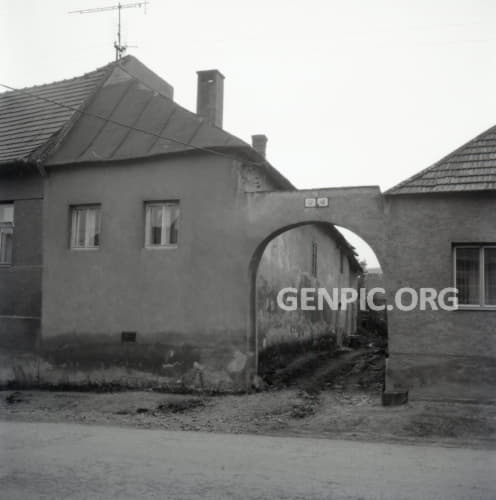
<point x="171" y="224"/>
<point x="6" y="245"/>
<point x="467" y="275"/>
<point x="85" y="227"/>
<point x="6" y="212"/>
<point x="490" y="276"/>
<point x="96" y="234"/>
<point x="155" y="218"/>
<point x="80" y="228"/>
<point x="92" y="227"/>
<point x="162" y="221"/>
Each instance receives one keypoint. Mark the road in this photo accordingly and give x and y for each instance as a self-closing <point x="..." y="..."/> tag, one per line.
<point x="47" y="460"/>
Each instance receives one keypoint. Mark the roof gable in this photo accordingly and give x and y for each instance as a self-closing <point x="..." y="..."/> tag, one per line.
<point x="471" y="167"/>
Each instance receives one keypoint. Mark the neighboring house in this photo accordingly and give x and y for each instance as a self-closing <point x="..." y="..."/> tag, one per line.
<point x="123" y="221"/>
<point x="441" y="230"/>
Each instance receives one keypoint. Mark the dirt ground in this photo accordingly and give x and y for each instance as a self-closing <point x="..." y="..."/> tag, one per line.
<point x="309" y="396"/>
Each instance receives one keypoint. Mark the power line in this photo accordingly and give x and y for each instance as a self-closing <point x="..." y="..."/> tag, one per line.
<point x="129" y="127"/>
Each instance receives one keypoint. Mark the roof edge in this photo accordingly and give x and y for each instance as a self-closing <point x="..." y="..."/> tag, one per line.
<point x="395" y="189"/>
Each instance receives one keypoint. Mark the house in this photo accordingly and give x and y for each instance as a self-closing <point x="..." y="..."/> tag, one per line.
<point x="125" y="235"/>
<point x="442" y="233"/>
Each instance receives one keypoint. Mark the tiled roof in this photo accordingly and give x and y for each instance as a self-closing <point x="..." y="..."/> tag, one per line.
<point x="126" y="118"/>
<point x="26" y="122"/>
<point x="124" y="111"/>
<point x="472" y="167"/>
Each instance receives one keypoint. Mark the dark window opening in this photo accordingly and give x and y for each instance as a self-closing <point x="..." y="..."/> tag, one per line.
<point x="314" y="259"/>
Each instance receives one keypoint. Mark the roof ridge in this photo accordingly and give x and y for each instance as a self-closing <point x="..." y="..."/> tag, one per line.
<point x="444" y="159"/>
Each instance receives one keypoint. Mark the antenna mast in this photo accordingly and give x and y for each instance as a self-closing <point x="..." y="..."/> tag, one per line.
<point x="119" y="48"/>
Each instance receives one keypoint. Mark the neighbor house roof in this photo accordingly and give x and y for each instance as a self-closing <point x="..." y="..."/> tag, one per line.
<point x="472" y="167"/>
<point x="118" y="112"/>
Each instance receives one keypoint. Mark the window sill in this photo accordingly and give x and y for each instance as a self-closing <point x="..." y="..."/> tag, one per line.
<point x="161" y="247"/>
<point x="85" y="249"/>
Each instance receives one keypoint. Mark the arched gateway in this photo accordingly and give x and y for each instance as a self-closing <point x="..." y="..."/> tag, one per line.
<point x="360" y="209"/>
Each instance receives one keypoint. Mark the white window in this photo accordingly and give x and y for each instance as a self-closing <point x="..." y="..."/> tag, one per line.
<point x="475" y="275"/>
<point x="6" y="232"/>
<point x="162" y="224"/>
<point x="85" y="229"/>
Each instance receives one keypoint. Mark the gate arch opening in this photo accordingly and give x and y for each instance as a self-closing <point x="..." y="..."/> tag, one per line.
<point x="329" y="232"/>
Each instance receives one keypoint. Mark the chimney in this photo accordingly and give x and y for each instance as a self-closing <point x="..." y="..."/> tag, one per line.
<point x="210" y="95"/>
<point x="259" y="144"/>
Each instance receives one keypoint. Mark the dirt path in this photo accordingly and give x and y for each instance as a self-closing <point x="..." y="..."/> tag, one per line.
<point x="321" y="393"/>
<point x="331" y="413"/>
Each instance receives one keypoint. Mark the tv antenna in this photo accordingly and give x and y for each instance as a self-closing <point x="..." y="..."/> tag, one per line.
<point x="118" y="46"/>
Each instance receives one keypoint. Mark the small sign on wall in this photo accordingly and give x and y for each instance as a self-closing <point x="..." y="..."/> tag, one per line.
<point x="316" y="202"/>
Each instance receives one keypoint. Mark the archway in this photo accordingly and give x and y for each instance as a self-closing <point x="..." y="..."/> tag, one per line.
<point x="329" y="234"/>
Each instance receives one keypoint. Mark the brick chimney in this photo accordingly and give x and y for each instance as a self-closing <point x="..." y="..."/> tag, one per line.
<point x="259" y="144"/>
<point x="210" y="95"/>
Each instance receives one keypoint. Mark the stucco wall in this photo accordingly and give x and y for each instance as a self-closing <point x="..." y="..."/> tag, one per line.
<point x="20" y="282"/>
<point x="438" y="354"/>
<point x="187" y="305"/>
<point x="287" y="262"/>
<point x="254" y="179"/>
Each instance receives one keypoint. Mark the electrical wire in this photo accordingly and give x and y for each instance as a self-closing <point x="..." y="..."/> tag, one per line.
<point x="129" y="127"/>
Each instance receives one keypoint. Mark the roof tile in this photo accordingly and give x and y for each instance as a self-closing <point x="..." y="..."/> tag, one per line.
<point x="27" y="122"/>
<point x="472" y="167"/>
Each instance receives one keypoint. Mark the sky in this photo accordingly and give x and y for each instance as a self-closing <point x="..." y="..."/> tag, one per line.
<point x="349" y="92"/>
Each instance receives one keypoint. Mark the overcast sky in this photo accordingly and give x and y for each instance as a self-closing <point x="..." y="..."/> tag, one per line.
<point x="348" y="92"/>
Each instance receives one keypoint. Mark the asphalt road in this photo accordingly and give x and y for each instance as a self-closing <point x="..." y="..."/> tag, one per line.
<point x="46" y="460"/>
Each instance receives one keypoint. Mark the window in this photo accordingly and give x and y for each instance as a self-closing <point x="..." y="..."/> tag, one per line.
<point x="475" y="275"/>
<point x="162" y="221"/>
<point x="85" y="232"/>
<point x="6" y="232"/>
<point x="314" y="259"/>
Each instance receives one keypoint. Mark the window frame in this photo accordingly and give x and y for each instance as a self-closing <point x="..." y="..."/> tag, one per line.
<point x="163" y="204"/>
<point x="73" y="209"/>
<point x="481" y="306"/>
<point x="9" y="225"/>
